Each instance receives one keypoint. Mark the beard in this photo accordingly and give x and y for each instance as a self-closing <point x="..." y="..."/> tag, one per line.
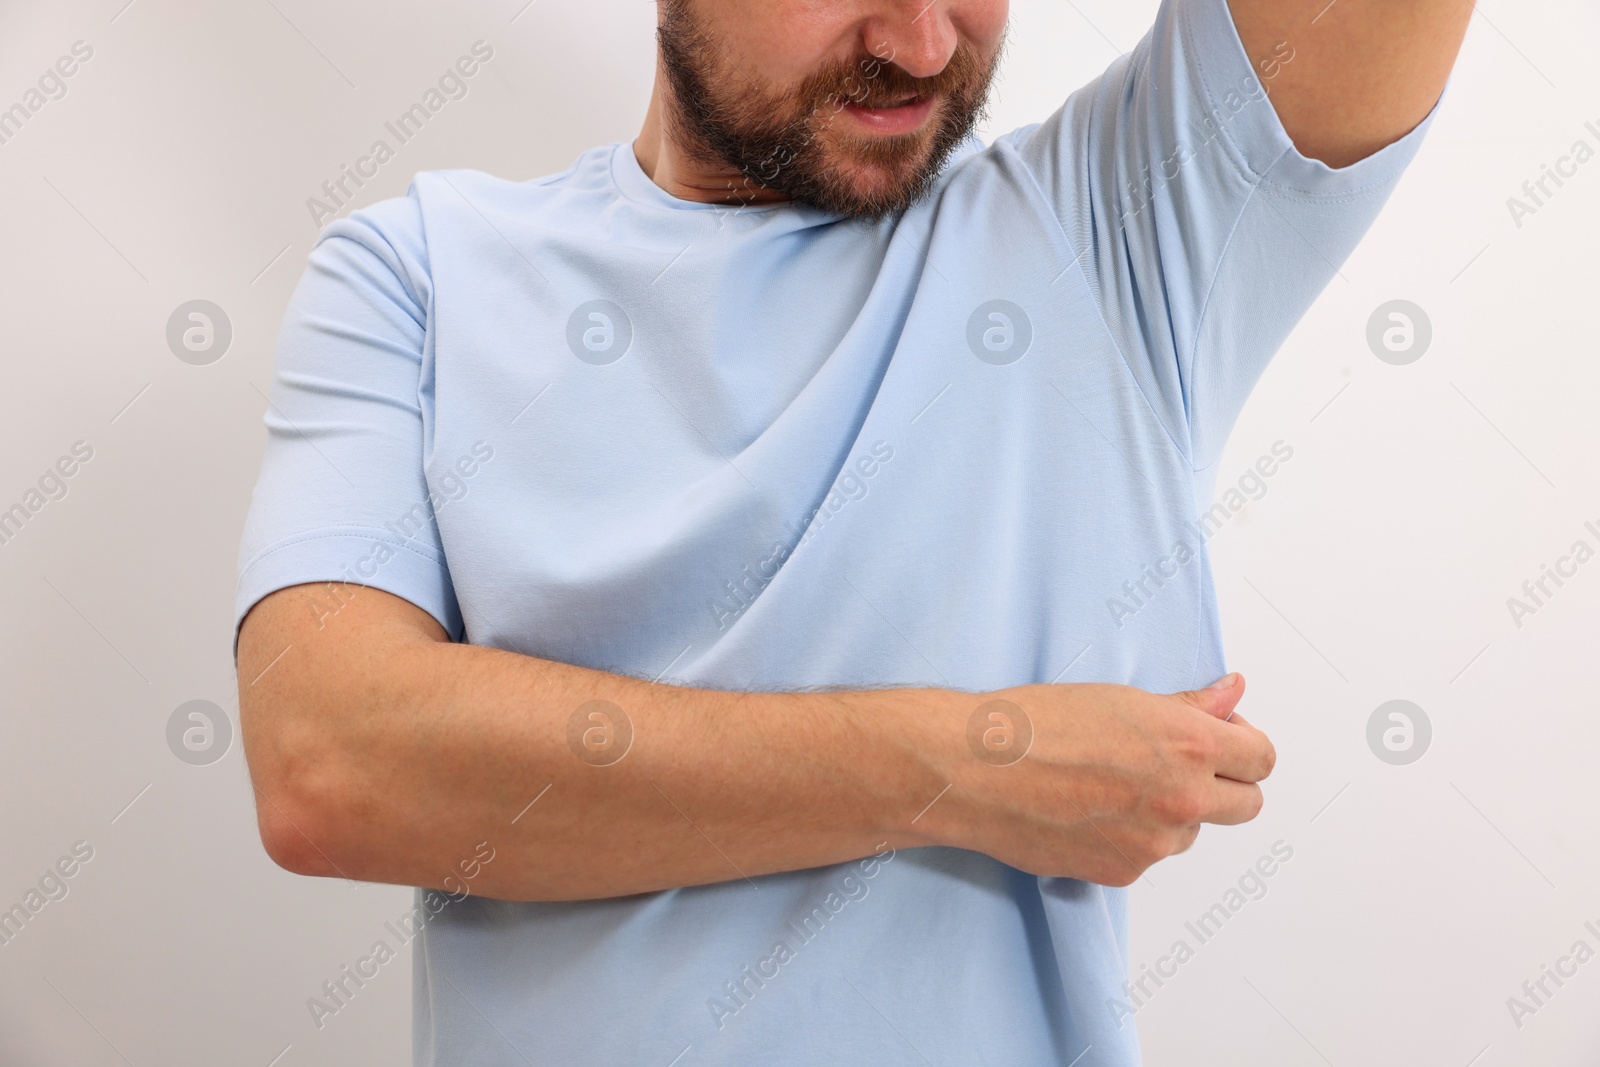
<point x="793" y="142"/>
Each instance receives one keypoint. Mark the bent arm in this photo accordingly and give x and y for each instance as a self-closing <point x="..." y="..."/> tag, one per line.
<point x="1352" y="76"/>
<point x="381" y="751"/>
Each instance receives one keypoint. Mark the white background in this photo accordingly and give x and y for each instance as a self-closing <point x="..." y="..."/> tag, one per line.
<point x="1377" y="566"/>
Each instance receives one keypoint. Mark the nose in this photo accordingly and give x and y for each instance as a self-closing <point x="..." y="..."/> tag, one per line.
<point x="915" y="35"/>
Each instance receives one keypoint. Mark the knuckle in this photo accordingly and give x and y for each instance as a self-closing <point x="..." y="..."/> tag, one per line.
<point x="1199" y="744"/>
<point x="1182" y="805"/>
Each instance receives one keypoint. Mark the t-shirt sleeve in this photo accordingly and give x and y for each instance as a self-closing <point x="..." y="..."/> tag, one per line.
<point x="342" y="494"/>
<point x="1204" y="234"/>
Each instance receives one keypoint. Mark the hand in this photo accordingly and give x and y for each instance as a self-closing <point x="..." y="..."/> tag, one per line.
<point x="1115" y="779"/>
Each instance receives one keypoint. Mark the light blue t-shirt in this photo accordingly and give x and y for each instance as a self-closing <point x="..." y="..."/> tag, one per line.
<point x="766" y="448"/>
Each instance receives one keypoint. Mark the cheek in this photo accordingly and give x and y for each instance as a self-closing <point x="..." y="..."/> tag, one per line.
<point x="784" y="41"/>
<point x="981" y="21"/>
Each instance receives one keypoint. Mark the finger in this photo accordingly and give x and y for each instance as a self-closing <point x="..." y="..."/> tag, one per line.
<point x="1244" y="753"/>
<point x="1233" y="803"/>
<point x="1217" y="699"/>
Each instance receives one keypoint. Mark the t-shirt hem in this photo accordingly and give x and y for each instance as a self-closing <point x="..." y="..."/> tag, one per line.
<point x="345" y="554"/>
<point x="1255" y="138"/>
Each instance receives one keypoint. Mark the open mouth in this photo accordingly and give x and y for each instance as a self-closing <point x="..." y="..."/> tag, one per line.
<point x="898" y="116"/>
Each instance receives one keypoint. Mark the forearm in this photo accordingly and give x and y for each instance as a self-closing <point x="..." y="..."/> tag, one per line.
<point x="451" y="745"/>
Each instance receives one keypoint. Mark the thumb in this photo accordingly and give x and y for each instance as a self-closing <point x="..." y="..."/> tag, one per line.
<point x="1219" y="698"/>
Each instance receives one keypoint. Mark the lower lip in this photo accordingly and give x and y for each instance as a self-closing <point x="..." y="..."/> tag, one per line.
<point x="889" y="120"/>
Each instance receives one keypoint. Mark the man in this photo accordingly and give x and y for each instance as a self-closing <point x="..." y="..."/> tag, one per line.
<point x="741" y="580"/>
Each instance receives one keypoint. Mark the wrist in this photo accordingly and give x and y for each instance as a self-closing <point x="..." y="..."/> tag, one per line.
<point x="917" y="738"/>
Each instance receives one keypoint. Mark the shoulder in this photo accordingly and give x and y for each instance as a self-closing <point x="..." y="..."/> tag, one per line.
<point x="442" y="210"/>
<point x="440" y="196"/>
<point x="464" y="209"/>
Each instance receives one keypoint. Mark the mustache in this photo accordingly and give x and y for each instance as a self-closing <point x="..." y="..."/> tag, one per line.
<point x="873" y="81"/>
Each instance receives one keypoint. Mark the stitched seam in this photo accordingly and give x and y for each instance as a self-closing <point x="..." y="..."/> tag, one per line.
<point x="1199" y="644"/>
<point x="1242" y="165"/>
<point x="1241" y="161"/>
<point x="1237" y="155"/>
<point x="1200" y="320"/>
<point x="345" y="533"/>
<point x="400" y="273"/>
<point x="1311" y="196"/>
<point x="1094" y="295"/>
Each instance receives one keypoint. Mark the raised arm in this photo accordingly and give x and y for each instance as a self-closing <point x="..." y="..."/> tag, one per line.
<point x="1349" y="77"/>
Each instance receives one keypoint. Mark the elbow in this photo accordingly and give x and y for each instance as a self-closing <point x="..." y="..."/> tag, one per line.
<point x="301" y="724"/>
<point x="293" y="842"/>
<point x="298" y="816"/>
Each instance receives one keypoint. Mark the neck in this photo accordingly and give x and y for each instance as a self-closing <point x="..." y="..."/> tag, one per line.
<point x="685" y="174"/>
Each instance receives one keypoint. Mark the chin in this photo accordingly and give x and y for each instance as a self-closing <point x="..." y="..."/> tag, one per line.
<point x="877" y="175"/>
